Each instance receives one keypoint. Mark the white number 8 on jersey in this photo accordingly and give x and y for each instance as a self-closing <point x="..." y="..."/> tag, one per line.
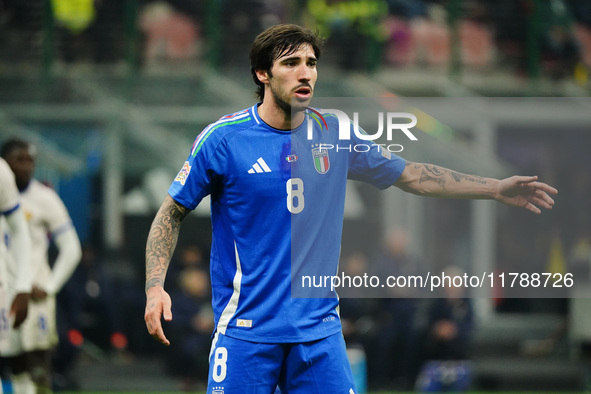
<point x="295" y="195"/>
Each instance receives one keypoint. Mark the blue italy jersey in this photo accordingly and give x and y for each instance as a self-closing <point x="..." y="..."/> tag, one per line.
<point x="277" y="203"/>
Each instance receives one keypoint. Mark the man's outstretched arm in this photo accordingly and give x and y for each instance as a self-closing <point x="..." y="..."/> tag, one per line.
<point x="160" y="246"/>
<point x="520" y="191"/>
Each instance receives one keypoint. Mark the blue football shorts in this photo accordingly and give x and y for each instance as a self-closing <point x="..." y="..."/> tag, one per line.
<point x="237" y="366"/>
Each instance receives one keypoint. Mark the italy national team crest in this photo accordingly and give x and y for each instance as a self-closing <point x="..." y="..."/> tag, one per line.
<point x="321" y="162"/>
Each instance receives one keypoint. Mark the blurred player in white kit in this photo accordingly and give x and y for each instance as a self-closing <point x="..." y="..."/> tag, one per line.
<point x="29" y="348"/>
<point x="14" y="294"/>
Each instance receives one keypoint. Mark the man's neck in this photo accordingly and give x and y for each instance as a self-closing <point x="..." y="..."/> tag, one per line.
<point x="22" y="186"/>
<point x="277" y="118"/>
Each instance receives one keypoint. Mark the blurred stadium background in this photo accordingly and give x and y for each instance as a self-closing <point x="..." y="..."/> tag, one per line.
<point x="114" y="92"/>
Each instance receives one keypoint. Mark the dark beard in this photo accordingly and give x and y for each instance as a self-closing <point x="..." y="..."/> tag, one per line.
<point x="283" y="105"/>
<point x="286" y="107"/>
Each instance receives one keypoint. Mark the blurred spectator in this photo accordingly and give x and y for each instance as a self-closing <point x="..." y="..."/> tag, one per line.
<point x="191" y="328"/>
<point x="273" y="12"/>
<point x="424" y="34"/>
<point x="73" y="18"/>
<point x="355" y="28"/>
<point x="445" y="343"/>
<point x="475" y="33"/>
<point x="400" y="47"/>
<point x="241" y="21"/>
<point x="432" y="36"/>
<point x="581" y="11"/>
<point x="553" y="22"/>
<point x="510" y="23"/>
<point x="169" y="34"/>
<point x="20" y="28"/>
<point x="560" y="49"/>
<point x="107" y="33"/>
<point x="74" y="15"/>
<point x="90" y="30"/>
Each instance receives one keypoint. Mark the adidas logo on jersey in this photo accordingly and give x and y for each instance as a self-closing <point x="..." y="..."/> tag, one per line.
<point x="244" y="323"/>
<point x="259" y="166"/>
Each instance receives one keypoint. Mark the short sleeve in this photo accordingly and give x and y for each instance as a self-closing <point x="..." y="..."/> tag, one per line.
<point x="204" y="166"/>
<point x="374" y="164"/>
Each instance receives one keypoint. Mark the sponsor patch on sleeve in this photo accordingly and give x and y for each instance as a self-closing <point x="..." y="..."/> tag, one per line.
<point x="385" y="152"/>
<point x="183" y="173"/>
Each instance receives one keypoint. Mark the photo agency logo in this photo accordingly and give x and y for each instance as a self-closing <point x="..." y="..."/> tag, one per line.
<point x="352" y="136"/>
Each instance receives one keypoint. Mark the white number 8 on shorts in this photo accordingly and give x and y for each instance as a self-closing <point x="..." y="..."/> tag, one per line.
<point x="219" y="364"/>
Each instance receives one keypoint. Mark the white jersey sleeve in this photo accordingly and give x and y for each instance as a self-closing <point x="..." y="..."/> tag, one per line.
<point x="9" y="198"/>
<point x="47" y="214"/>
<point x="68" y="258"/>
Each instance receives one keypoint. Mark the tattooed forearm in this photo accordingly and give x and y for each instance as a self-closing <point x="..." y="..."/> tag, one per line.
<point x="433" y="174"/>
<point x="431" y="180"/>
<point x="439" y="175"/>
<point x="162" y="240"/>
<point x="459" y="177"/>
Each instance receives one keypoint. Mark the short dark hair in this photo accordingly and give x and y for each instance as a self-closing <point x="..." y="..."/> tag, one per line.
<point x="13" y="144"/>
<point x="276" y="41"/>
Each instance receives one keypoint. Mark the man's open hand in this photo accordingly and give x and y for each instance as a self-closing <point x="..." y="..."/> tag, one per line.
<point x="158" y="305"/>
<point x="526" y="192"/>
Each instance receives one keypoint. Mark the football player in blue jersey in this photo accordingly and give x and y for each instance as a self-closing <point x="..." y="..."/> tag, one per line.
<point x="277" y="203"/>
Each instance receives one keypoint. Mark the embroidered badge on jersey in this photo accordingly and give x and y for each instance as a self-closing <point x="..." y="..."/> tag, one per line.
<point x="291" y="158"/>
<point x="321" y="160"/>
<point x="385" y="153"/>
<point x="183" y="173"/>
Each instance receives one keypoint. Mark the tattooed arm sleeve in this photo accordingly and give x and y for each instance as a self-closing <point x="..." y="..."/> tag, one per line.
<point x="431" y="180"/>
<point x="162" y="240"/>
